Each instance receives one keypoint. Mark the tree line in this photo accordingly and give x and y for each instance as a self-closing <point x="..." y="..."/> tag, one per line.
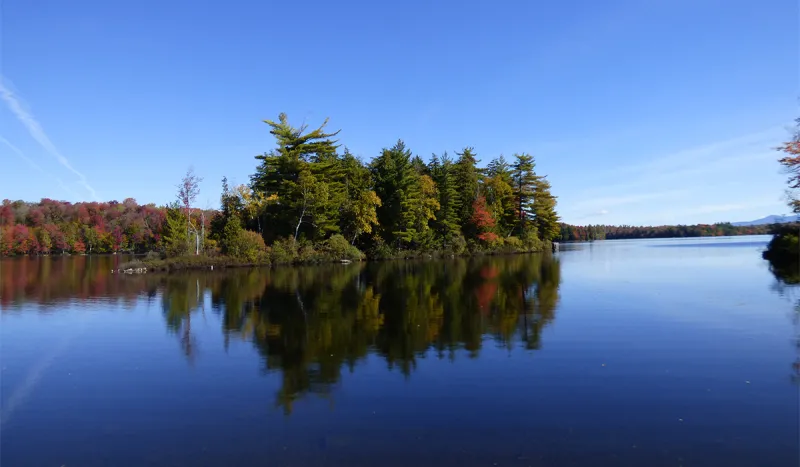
<point x="306" y="193"/>
<point x="308" y="196"/>
<point x="585" y="233"/>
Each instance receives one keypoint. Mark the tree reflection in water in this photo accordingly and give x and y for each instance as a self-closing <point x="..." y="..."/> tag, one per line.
<point x="309" y="323"/>
<point x="787" y="280"/>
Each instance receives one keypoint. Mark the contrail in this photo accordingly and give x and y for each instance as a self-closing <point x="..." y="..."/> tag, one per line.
<point x="37" y="132"/>
<point x="36" y="166"/>
<point x="26" y="387"/>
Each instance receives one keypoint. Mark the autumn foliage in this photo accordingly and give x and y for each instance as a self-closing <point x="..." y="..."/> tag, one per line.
<point x="483" y="220"/>
<point x="57" y="227"/>
<point x="584" y="233"/>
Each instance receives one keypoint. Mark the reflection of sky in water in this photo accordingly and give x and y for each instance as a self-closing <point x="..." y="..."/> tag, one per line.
<point x="684" y="352"/>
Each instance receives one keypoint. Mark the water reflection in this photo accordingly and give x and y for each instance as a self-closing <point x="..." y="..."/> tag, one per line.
<point x="787" y="282"/>
<point x="310" y="323"/>
<point x="51" y="280"/>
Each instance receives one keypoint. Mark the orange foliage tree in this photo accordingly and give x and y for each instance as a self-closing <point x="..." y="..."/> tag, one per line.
<point x="483" y="220"/>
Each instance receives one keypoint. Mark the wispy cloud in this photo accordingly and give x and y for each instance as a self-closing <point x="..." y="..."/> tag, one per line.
<point x="591" y="215"/>
<point x="37" y="167"/>
<point x="601" y="205"/>
<point x="744" y="148"/>
<point x="725" y="176"/>
<point x="15" y="104"/>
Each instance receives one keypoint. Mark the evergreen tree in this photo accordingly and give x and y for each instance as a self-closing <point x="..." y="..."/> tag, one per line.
<point x="499" y="194"/>
<point x="524" y="179"/>
<point x="467" y="180"/>
<point x="397" y="185"/>
<point x="447" y="216"/>
<point x="175" y="239"/>
<point x="544" y="209"/>
<point x="278" y="177"/>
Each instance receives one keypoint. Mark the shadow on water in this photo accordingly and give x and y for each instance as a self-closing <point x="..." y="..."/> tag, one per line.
<point x="787" y="284"/>
<point x="310" y="323"/>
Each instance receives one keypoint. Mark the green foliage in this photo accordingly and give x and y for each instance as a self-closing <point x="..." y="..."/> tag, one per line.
<point x="241" y="244"/>
<point x="284" y="251"/>
<point x="337" y="247"/>
<point x="467" y="186"/>
<point x="783" y="253"/>
<point x="359" y="209"/>
<point x="175" y="238"/>
<point x="524" y="181"/>
<point x="296" y="176"/>
<point x="446" y="221"/>
<point x="499" y="192"/>
<point x="458" y="245"/>
<point x="397" y="185"/>
<point x="544" y="209"/>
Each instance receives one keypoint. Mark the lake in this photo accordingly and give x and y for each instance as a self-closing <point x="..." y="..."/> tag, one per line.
<point x="617" y="353"/>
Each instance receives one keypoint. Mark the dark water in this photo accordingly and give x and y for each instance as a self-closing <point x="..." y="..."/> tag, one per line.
<point x="608" y="354"/>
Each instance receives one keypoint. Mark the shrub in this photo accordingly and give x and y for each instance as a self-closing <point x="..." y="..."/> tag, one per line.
<point x="284" y="251"/>
<point x="458" y="245"/>
<point x="251" y="247"/>
<point x="306" y="253"/>
<point x="381" y="251"/>
<point x="211" y="247"/>
<point x="531" y="242"/>
<point x="338" y="248"/>
<point x="512" y="244"/>
<point x="152" y="255"/>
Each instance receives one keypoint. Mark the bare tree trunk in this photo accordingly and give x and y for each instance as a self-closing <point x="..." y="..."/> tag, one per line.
<point x="299" y="221"/>
<point x="203" y="230"/>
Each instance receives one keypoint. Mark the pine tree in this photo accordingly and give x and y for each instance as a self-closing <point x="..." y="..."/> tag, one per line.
<point x="544" y="209"/>
<point x="524" y="179"/>
<point x="175" y="236"/>
<point x="447" y="216"/>
<point x="278" y="178"/>
<point x="500" y="195"/>
<point x="467" y="181"/>
<point x="397" y="185"/>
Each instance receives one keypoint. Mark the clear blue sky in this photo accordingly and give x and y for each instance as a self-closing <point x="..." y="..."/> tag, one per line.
<point x="639" y="112"/>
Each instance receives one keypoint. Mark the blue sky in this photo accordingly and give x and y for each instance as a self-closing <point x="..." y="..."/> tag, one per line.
<point x="639" y="112"/>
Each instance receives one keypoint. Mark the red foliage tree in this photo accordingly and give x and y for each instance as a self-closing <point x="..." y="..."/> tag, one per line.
<point x="6" y="214"/>
<point x="78" y="247"/>
<point x="483" y="220"/>
<point x="21" y="240"/>
<point x="117" y="238"/>
<point x="57" y="238"/>
<point x="6" y="240"/>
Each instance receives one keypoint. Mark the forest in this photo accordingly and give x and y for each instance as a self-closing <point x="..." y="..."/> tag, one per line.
<point x="311" y="200"/>
<point x="308" y="200"/>
<point x="583" y="233"/>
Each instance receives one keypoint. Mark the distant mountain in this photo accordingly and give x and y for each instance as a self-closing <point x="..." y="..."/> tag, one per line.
<point x="774" y="219"/>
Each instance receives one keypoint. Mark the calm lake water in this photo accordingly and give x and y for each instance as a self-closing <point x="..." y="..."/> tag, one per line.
<point x="616" y="353"/>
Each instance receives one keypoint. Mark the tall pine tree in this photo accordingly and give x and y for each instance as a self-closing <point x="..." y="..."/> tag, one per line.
<point x="447" y="223"/>
<point x="396" y="183"/>
<point x="467" y="181"/>
<point x="500" y="195"/>
<point x="278" y="176"/>
<point x="524" y="179"/>
<point x="544" y="209"/>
